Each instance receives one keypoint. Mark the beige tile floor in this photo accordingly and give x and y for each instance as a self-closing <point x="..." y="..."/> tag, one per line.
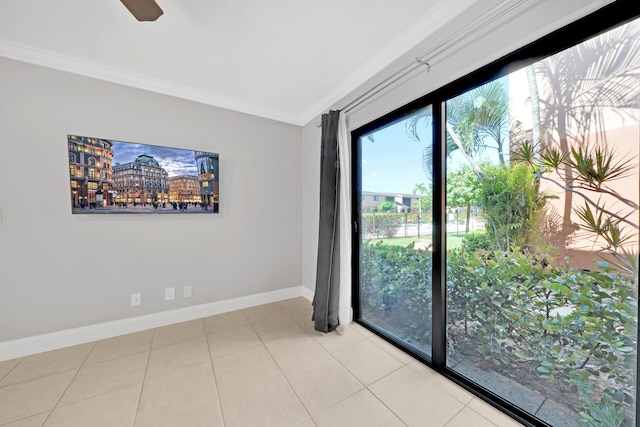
<point x="261" y="366"/>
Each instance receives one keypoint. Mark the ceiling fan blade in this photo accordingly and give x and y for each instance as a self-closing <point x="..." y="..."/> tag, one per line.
<point x="143" y="10"/>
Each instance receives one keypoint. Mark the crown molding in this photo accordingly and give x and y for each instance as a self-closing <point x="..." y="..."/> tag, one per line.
<point x="29" y="54"/>
<point x="442" y="14"/>
<point x="426" y="26"/>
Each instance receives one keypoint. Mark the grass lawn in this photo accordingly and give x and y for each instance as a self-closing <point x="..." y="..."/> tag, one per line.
<point x="454" y="240"/>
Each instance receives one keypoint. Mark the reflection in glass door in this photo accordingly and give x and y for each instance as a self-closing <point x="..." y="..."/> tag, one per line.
<point x="396" y="233"/>
<point x="542" y="233"/>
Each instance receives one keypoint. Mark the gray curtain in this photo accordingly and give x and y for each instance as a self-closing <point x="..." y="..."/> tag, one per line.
<point x="327" y="296"/>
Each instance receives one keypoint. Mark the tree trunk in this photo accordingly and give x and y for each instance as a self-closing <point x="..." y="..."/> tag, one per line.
<point x="535" y="110"/>
<point x="567" y="225"/>
<point x="454" y="136"/>
<point x="466" y="230"/>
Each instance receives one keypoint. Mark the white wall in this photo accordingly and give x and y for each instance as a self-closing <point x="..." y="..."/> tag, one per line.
<point x="60" y="271"/>
<point x="310" y="203"/>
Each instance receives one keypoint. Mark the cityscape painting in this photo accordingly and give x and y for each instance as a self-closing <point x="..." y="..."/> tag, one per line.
<point x="108" y="176"/>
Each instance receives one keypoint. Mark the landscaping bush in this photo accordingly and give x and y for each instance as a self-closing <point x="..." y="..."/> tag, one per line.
<point x="368" y="225"/>
<point x="526" y="317"/>
<point x="476" y="240"/>
<point x="382" y="224"/>
<point x="512" y="206"/>
<point x="388" y="223"/>
<point x="519" y="315"/>
<point x="397" y="281"/>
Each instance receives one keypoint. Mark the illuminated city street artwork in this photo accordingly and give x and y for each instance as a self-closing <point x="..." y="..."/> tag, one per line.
<point x="108" y="176"/>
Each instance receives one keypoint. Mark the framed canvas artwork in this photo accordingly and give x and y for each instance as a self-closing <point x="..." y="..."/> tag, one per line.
<point x="116" y="177"/>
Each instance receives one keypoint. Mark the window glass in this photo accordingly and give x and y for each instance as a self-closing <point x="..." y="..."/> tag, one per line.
<point x="542" y="232"/>
<point x="395" y="292"/>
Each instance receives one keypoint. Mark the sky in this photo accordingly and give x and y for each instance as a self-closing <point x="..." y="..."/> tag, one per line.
<point x="175" y="161"/>
<point x="392" y="161"/>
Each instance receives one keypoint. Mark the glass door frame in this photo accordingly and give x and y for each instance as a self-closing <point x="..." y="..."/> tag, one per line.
<point x="606" y="18"/>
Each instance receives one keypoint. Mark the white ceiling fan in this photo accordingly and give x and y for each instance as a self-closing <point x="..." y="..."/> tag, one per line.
<point x="143" y="10"/>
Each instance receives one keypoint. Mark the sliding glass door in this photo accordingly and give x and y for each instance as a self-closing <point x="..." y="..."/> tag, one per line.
<point x="518" y="275"/>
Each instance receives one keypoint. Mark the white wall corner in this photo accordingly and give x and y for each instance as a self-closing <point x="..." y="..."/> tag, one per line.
<point x="307" y="293"/>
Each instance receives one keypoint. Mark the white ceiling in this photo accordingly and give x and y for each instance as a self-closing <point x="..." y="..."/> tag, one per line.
<point x="282" y="59"/>
<point x="287" y="60"/>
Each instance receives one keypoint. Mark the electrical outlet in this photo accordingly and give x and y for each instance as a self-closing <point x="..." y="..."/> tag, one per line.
<point x="169" y="293"/>
<point x="187" y="291"/>
<point x="136" y="299"/>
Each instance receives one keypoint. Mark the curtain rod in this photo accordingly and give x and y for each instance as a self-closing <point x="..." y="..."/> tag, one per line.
<point x="425" y="60"/>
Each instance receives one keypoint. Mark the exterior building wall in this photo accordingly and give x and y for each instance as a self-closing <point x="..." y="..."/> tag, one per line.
<point x="580" y="245"/>
<point x="184" y="189"/>
<point x="622" y="136"/>
<point x="90" y="171"/>
<point x="207" y="164"/>
<point x="141" y="181"/>
<point x="371" y="200"/>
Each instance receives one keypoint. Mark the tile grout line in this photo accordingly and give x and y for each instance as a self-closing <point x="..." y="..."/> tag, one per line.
<point x="465" y="405"/>
<point x="144" y="378"/>
<point x="279" y="367"/>
<point x="482" y="416"/>
<point x="403" y="365"/>
<point x="55" y="406"/>
<point x="384" y="403"/>
<point x="285" y="313"/>
<point x="365" y="386"/>
<point x="12" y="369"/>
<point x="181" y="341"/>
<point x="213" y="372"/>
<point x="455" y="415"/>
<point x="383" y="377"/>
<point x="306" y="410"/>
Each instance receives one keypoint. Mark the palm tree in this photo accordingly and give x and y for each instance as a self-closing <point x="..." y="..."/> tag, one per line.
<point x="476" y="120"/>
<point x="571" y="94"/>
<point x="579" y="87"/>
<point x="580" y="84"/>
<point x="491" y="116"/>
<point x="419" y="189"/>
<point x="534" y="97"/>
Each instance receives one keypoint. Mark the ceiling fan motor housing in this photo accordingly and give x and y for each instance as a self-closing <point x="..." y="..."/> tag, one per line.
<point x="143" y="10"/>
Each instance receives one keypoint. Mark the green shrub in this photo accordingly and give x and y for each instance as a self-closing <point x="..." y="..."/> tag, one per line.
<point x="603" y="413"/>
<point x="387" y="224"/>
<point x="381" y="224"/>
<point x="511" y="205"/>
<point x="397" y="280"/>
<point x="522" y="314"/>
<point x="476" y="240"/>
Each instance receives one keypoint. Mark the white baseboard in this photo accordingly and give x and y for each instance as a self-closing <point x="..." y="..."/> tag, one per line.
<point x="55" y="340"/>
